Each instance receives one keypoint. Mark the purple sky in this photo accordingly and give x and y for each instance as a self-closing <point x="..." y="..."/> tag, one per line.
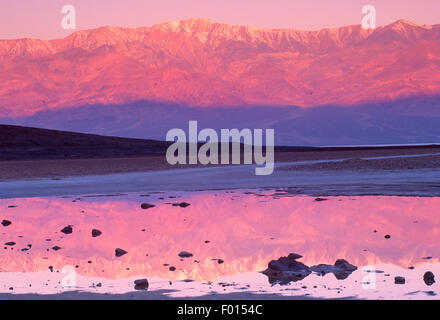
<point x="42" y="18"/>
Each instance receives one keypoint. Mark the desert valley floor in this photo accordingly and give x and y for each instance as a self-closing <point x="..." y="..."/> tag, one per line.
<point x="205" y="233"/>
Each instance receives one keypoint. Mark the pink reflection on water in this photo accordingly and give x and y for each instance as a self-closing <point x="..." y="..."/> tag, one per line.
<point x="245" y="230"/>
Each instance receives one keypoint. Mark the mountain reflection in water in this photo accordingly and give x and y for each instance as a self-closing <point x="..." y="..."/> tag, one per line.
<point x="228" y="233"/>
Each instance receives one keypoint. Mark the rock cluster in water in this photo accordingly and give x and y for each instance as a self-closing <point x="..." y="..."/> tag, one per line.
<point x="288" y="269"/>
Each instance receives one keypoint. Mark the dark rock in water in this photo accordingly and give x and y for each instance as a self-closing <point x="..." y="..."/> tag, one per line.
<point x="181" y="204"/>
<point x="10" y="243"/>
<point x="294" y="256"/>
<point x="67" y="230"/>
<point x="341" y="269"/>
<point x="184" y="204"/>
<point x="6" y="223"/>
<point x="286" y="270"/>
<point x="341" y="275"/>
<point x="96" y="233"/>
<point x="399" y="280"/>
<point x="119" y="252"/>
<point x="429" y="278"/>
<point x="56" y="248"/>
<point x="320" y="199"/>
<point x="344" y="265"/>
<point x="322" y="269"/>
<point x="185" y="254"/>
<point x="141" y="284"/>
<point x="147" y="206"/>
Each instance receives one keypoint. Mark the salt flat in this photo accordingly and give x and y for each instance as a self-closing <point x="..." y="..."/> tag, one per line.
<point x="417" y="182"/>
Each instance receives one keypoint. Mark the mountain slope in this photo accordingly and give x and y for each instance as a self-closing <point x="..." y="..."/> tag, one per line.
<point x="17" y="142"/>
<point x="198" y="62"/>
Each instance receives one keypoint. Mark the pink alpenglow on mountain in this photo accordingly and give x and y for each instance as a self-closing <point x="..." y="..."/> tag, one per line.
<point x="198" y="62"/>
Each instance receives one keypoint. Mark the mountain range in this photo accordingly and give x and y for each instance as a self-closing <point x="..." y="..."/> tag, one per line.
<point x="207" y="68"/>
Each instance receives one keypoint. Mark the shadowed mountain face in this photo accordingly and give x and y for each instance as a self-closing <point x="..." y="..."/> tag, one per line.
<point x="411" y="120"/>
<point x="198" y="62"/>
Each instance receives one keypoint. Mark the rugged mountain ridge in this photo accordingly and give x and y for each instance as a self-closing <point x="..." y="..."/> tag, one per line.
<point x="198" y="62"/>
<point x="209" y="32"/>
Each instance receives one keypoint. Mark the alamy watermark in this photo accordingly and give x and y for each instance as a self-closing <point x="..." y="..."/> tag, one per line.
<point x="208" y="153"/>
<point x="69" y="19"/>
<point x="369" y="18"/>
<point x="69" y="280"/>
<point x="369" y="280"/>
